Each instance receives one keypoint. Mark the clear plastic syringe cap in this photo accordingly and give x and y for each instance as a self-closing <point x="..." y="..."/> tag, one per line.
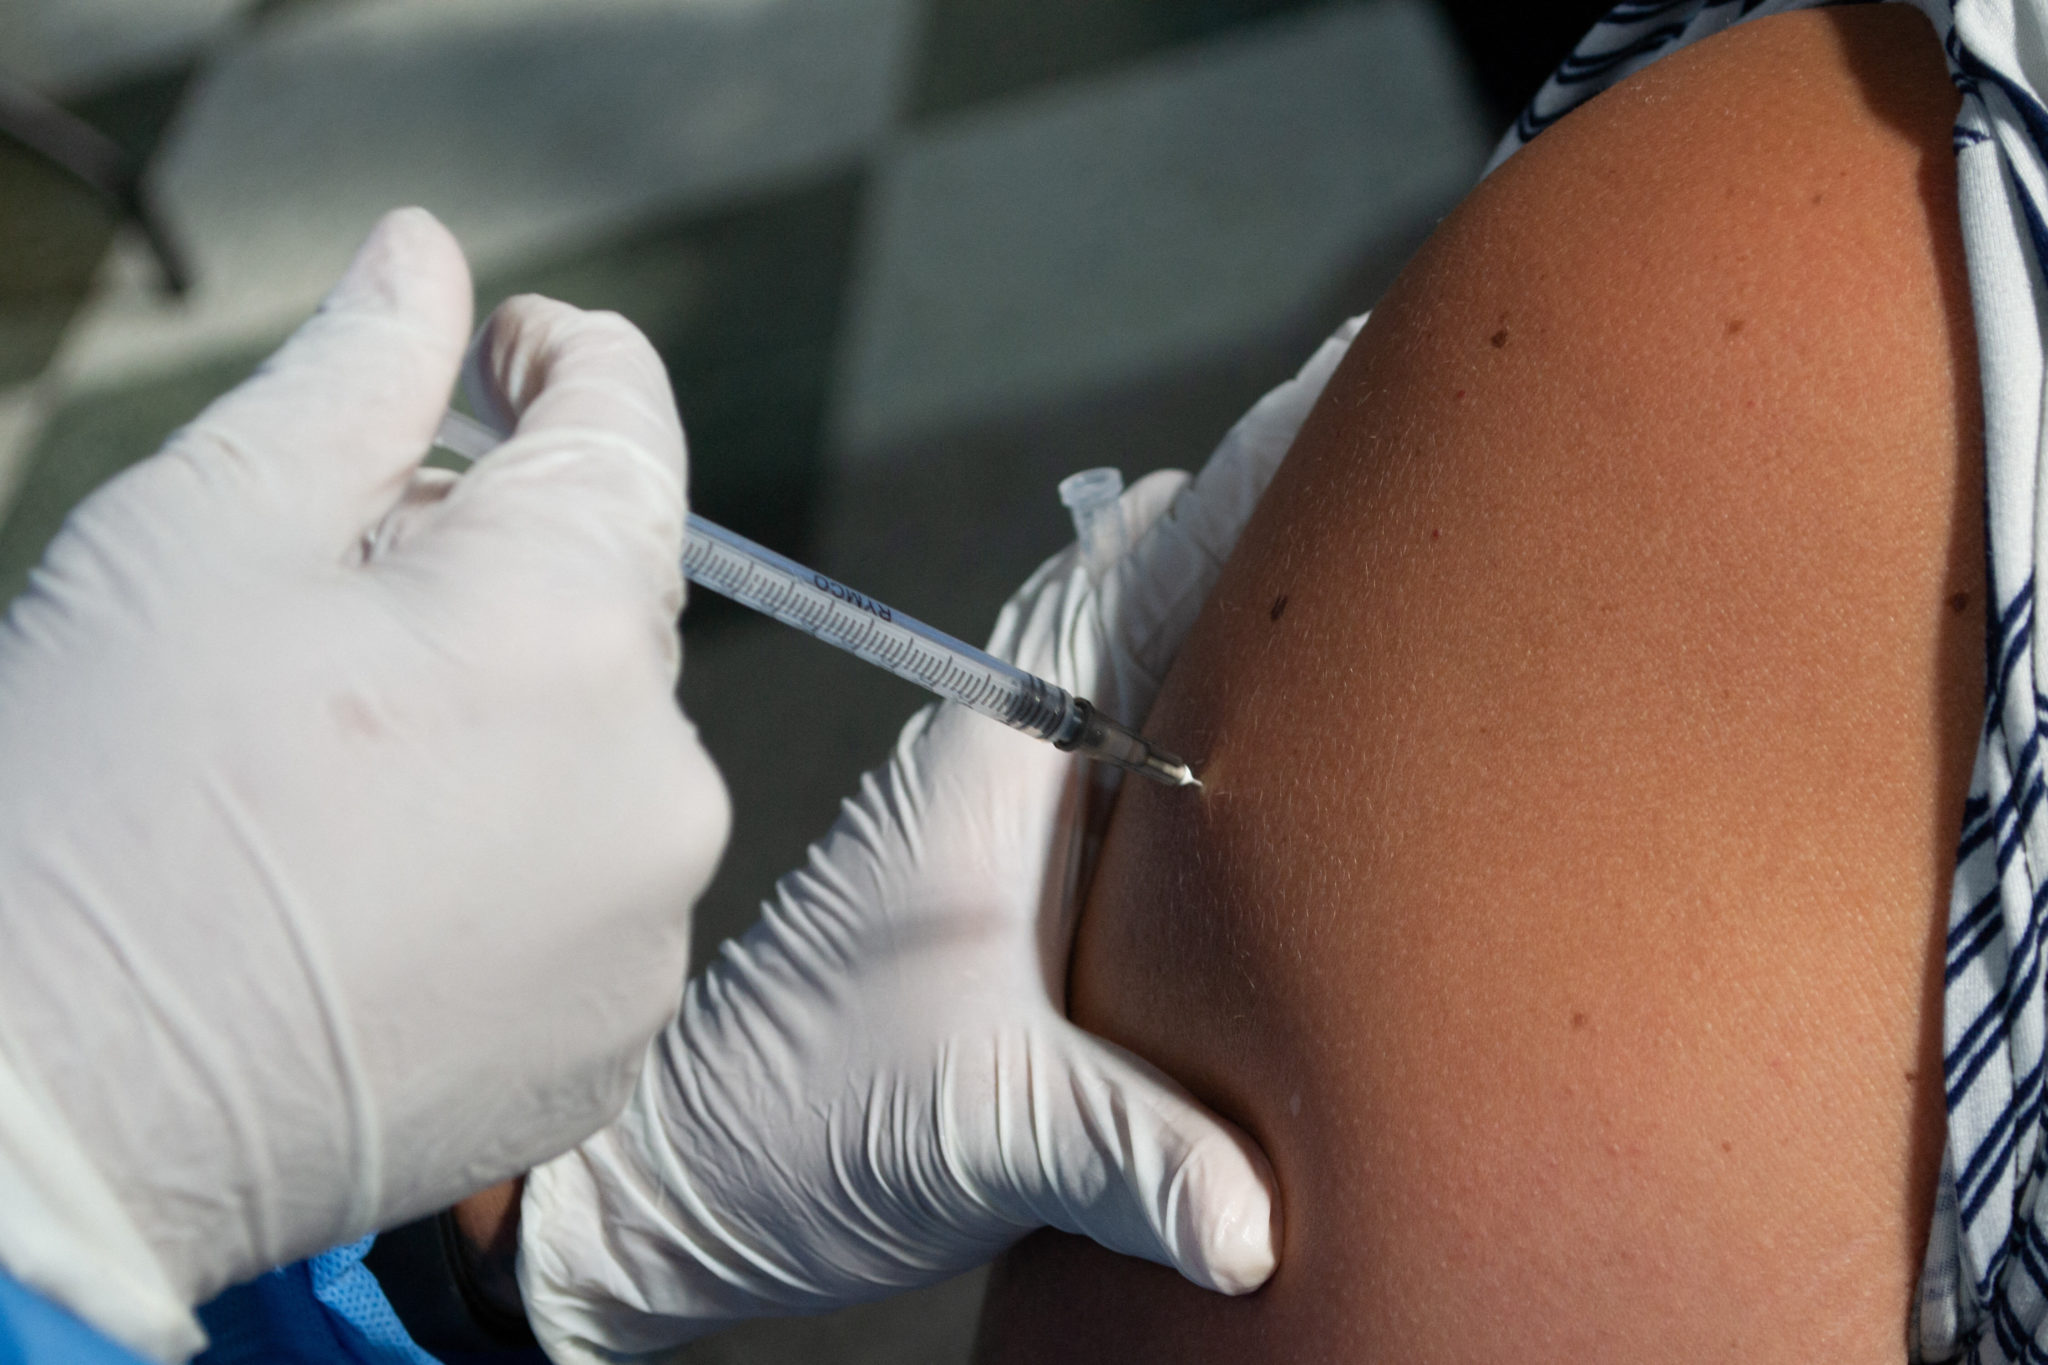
<point x="1094" y="497"/>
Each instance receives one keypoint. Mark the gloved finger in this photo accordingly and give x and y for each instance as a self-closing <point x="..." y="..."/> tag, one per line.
<point x="1130" y="677"/>
<point x="1149" y="499"/>
<point x="422" y="496"/>
<point x="1136" y="1164"/>
<point x="1231" y="483"/>
<point x="593" y="471"/>
<point x="1161" y="584"/>
<point x="333" y="425"/>
<point x="542" y="367"/>
<point x="1036" y="627"/>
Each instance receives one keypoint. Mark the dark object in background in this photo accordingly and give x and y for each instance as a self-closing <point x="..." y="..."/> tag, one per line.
<point x="81" y="149"/>
<point x="978" y="50"/>
<point x="432" y="1285"/>
<point x="1515" y="46"/>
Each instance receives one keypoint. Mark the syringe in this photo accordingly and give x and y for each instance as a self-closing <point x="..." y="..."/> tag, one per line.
<point x="756" y="576"/>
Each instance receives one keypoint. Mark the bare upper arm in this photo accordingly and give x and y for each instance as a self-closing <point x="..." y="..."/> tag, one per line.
<point x="1587" y="716"/>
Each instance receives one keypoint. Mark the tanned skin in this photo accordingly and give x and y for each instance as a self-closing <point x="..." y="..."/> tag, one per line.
<point x="1585" y="721"/>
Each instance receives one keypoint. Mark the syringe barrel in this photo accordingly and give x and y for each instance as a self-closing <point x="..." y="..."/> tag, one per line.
<point x="735" y="567"/>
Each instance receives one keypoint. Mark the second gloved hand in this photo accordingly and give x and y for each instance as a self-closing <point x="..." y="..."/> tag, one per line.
<point x="877" y="1087"/>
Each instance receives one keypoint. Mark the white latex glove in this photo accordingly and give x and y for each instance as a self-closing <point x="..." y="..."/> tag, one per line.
<point x="877" y="1087"/>
<point x="345" y="858"/>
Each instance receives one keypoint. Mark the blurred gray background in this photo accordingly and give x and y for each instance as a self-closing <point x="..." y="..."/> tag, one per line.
<point x="909" y="263"/>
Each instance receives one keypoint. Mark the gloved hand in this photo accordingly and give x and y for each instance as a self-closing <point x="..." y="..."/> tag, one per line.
<point x="349" y="827"/>
<point x="877" y="1087"/>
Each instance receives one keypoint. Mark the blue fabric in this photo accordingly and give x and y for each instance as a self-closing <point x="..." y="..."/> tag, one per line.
<point x="326" y="1311"/>
<point x="34" y="1331"/>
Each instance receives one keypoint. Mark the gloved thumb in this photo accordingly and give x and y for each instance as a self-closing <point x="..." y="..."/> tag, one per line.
<point x="1136" y="1164"/>
<point x="1160" y="586"/>
<point x="335" y="423"/>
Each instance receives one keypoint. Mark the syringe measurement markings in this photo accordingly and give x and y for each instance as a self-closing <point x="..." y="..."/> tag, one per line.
<point x="906" y="650"/>
<point x="863" y="639"/>
<point x="943" y="672"/>
<point x="1025" y="701"/>
<point x="824" y="617"/>
<point x="902" y="650"/>
<point x="784" y="596"/>
<point x="960" y="677"/>
<point x="856" y="633"/>
<point x="903" y="657"/>
<point x="959" y="680"/>
<point x="810" y="611"/>
<point x="947" y="675"/>
<point x="898" y="655"/>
